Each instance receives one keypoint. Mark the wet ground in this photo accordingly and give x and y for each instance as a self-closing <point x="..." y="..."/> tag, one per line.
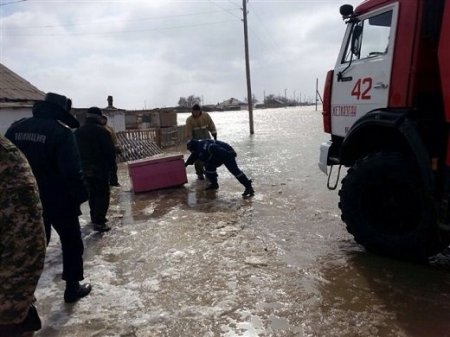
<point x="195" y="263"/>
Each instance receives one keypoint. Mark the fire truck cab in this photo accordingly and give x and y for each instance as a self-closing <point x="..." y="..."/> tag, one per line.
<point x="387" y="109"/>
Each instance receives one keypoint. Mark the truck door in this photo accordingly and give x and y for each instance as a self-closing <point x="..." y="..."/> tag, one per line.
<point x="363" y="70"/>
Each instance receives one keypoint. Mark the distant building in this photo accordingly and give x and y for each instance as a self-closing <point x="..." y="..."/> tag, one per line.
<point x="122" y="119"/>
<point x="17" y="97"/>
<point x="208" y="107"/>
<point x="274" y="102"/>
<point x="232" y="104"/>
<point x="116" y="117"/>
<point x="151" y="118"/>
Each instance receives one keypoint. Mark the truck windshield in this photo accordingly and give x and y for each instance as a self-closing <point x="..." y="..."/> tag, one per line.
<point x="369" y="38"/>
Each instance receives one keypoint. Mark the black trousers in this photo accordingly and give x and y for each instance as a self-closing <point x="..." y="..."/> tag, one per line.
<point x="99" y="192"/>
<point x="231" y="165"/>
<point x="68" y="229"/>
<point x="113" y="178"/>
<point x="199" y="167"/>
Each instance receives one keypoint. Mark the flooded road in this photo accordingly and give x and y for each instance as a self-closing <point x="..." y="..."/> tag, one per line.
<point x="189" y="262"/>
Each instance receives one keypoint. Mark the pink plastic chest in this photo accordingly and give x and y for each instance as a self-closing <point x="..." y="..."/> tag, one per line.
<point x="156" y="172"/>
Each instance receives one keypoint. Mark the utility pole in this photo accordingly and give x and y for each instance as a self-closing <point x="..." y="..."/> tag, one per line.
<point x="247" y="68"/>
<point x="318" y="93"/>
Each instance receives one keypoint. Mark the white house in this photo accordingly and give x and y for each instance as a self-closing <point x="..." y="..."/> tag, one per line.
<point x="232" y="104"/>
<point x="116" y="117"/>
<point x="17" y="97"/>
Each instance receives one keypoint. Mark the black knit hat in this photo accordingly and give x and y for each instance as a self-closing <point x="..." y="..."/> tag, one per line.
<point x="95" y="111"/>
<point x="59" y="100"/>
<point x="196" y="107"/>
<point x="63" y="104"/>
<point x="192" y="145"/>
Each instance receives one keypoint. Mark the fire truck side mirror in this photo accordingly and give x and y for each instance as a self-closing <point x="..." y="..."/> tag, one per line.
<point x="346" y="11"/>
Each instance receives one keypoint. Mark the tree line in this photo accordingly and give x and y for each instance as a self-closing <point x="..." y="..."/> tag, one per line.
<point x="269" y="100"/>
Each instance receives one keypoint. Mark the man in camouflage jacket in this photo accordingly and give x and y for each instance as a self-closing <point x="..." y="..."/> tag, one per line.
<point x="22" y="242"/>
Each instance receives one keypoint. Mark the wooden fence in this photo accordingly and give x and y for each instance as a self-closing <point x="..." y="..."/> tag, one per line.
<point x="142" y="143"/>
<point x="171" y="136"/>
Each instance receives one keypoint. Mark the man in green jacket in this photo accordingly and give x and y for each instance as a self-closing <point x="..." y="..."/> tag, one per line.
<point x="200" y="126"/>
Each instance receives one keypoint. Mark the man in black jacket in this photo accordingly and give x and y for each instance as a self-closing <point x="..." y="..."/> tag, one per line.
<point x="98" y="159"/>
<point x="47" y="141"/>
<point x="214" y="153"/>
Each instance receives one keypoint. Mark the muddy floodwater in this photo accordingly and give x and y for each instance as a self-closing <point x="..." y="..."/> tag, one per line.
<point x="193" y="263"/>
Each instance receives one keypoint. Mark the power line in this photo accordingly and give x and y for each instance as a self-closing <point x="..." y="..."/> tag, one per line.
<point x="107" y="21"/>
<point x="126" y="31"/>
<point x="234" y="3"/>
<point x="226" y="10"/>
<point x="264" y="28"/>
<point x="11" y="2"/>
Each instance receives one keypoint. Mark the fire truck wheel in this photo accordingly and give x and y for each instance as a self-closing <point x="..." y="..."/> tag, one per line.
<point x="386" y="209"/>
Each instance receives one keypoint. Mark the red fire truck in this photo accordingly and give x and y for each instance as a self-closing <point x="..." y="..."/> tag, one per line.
<point x="387" y="108"/>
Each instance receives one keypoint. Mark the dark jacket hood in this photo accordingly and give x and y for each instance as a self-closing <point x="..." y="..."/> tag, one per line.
<point x="193" y="145"/>
<point x="94" y="120"/>
<point x="48" y="110"/>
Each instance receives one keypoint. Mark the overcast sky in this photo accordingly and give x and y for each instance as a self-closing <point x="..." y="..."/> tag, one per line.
<point x="149" y="53"/>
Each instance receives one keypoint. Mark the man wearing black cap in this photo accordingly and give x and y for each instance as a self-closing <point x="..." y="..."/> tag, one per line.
<point x="47" y="141"/>
<point x="98" y="159"/>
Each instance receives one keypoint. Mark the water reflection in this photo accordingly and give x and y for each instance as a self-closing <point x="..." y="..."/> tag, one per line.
<point x="189" y="262"/>
<point x="384" y="297"/>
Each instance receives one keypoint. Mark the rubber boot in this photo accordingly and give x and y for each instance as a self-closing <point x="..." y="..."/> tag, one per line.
<point x="75" y="291"/>
<point x="212" y="186"/>
<point x="101" y="227"/>
<point x="249" y="191"/>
